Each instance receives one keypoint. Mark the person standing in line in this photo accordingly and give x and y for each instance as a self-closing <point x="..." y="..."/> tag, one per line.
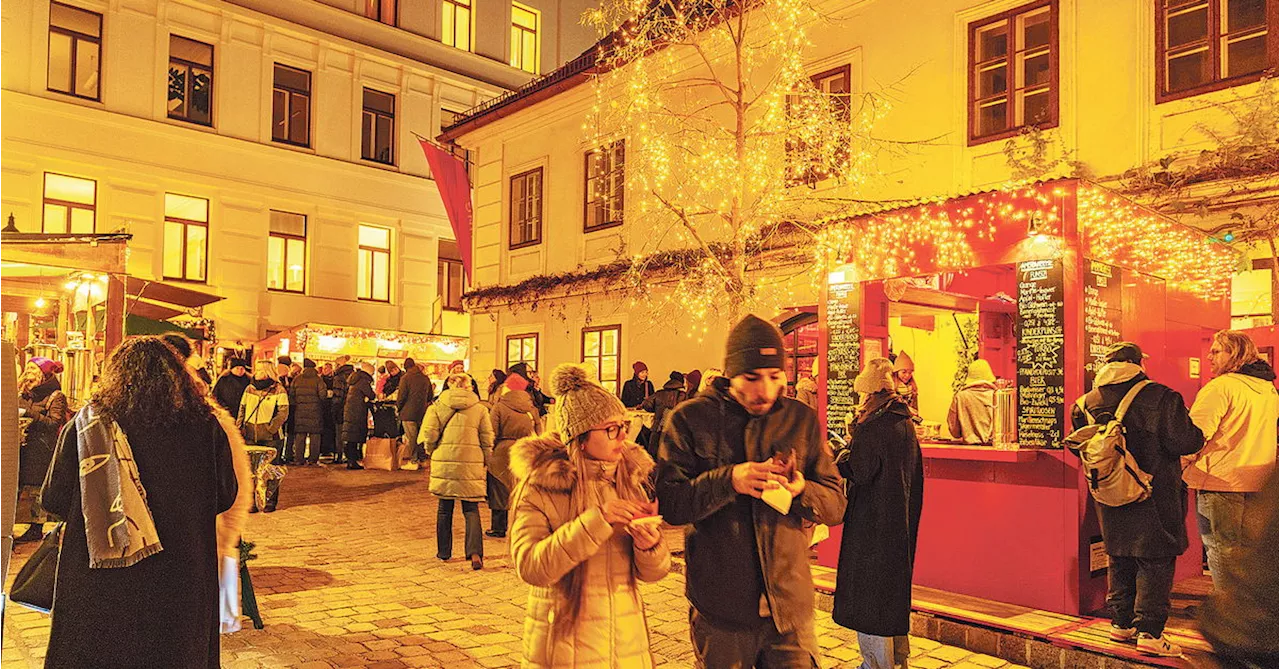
<point x="514" y="417"/>
<point x="341" y="373"/>
<point x="329" y="435"/>
<point x="43" y="405"/>
<point x="807" y="387"/>
<point x="392" y="383"/>
<point x="229" y="388"/>
<point x="138" y="578"/>
<point x="496" y="378"/>
<point x="661" y="403"/>
<point x="355" y="413"/>
<point x="415" y="394"/>
<point x="748" y="579"/>
<point x="904" y="377"/>
<point x="1237" y="411"/>
<point x="459" y="438"/>
<point x="308" y="400"/>
<point x="535" y="392"/>
<point x="972" y="415"/>
<point x="638" y="387"/>
<point x="572" y="539"/>
<point x="884" y="471"/>
<point x="692" y="383"/>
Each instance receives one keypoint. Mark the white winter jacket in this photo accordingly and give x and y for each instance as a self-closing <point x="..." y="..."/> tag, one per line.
<point x="1237" y="414"/>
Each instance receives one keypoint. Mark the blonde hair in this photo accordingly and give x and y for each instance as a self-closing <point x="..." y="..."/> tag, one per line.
<point x="708" y="376"/>
<point x="875" y="377"/>
<point x="1239" y="348"/>
<point x="266" y="368"/>
<point x="458" y="381"/>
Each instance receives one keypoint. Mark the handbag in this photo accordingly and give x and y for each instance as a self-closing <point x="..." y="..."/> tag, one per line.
<point x="34" y="585"/>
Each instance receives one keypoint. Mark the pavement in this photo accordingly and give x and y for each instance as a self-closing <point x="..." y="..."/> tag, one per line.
<point x="346" y="576"/>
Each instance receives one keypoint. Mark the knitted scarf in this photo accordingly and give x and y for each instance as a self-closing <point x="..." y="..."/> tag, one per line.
<point x="117" y="522"/>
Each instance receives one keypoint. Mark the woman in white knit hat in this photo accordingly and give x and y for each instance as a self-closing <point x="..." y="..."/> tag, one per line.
<point x="579" y="487"/>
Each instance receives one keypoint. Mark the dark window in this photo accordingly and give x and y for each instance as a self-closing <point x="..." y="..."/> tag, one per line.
<point x="70" y="204"/>
<point x="378" y="135"/>
<point x="291" y="106"/>
<point x="602" y="348"/>
<point x="190" y="80"/>
<point x="606" y="185"/>
<point x="75" y="51"/>
<point x="287" y="252"/>
<point x="526" y="208"/>
<point x="381" y="10"/>
<point x="1013" y="72"/>
<point x="837" y="84"/>
<point x="186" y="237"/>
<point x="450" y="280"/>
<point x="522" y="348"/>
<point x="1206" y="45"/>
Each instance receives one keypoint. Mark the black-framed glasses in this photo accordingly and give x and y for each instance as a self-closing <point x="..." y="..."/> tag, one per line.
<point x="616" y="430"/>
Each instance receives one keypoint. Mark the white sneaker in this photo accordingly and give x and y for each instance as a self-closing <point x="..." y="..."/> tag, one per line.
<point x="409" y="466"/>
<point x="1158" y="646"/>
<point x="1123" y="633"/>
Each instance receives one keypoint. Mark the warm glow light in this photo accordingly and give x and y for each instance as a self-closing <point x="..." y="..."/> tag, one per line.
<point x="330" y="344"/>
<point x="40" y="302"/>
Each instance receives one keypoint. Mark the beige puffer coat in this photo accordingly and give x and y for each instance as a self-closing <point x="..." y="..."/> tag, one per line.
<point x="514" y="417"/>
<point x="548" y="541"/>
<point x="458" y="438"/>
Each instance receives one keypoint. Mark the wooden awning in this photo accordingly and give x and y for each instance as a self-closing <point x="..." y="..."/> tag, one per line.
<point x="167" y="292"/>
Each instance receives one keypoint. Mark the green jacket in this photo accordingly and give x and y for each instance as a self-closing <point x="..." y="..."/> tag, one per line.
<point x="458" y="438"/>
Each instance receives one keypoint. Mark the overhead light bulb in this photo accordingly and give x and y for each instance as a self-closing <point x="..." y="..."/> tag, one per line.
<point x="40" y="302"/>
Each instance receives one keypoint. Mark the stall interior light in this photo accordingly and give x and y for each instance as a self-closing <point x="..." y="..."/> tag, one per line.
<point x="330" y="344"/>
<point x="390" y="345"/>
<point x="40" y="303"/>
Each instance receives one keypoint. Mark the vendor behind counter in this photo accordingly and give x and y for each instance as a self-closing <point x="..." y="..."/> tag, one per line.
<point x="971" y="417"/>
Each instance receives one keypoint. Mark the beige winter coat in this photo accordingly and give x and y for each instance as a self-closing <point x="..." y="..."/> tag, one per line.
<point x="972" y="414"/>
<point x="458" y="438"/>
<point x="548" y="541"/>
<point x="514" y="417"/>
<point x="230" y="523"/>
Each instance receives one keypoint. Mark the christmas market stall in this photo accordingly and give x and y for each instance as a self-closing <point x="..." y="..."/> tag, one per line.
<point x="1037" y="281"/>
<point x="324" y="343"/>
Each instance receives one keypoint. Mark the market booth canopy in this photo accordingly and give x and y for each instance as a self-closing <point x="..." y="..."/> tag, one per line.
<point x="323" y="342"/>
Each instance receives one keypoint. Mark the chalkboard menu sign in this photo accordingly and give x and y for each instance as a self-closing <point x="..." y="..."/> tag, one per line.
<point x="844" y="352"/>
<point x="1040" y="354"/>
<point x="1102" y="315"/>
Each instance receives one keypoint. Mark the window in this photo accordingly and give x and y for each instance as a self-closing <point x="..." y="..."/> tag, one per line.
<point x="450" y="280"/>
<point x="524" y="37"/>
<point x="522" y="348"/>
<point x="526" y="209"/>
<point x="1013" y="72"/>
<point x="190" y="80"/>
<point x="1206" y="45"/>
<point x="70" y="204"/>
<point x="836" y="84"/>
<point x="381" y="10"/>
<point x="374" y="265"/>
<point x="456" y="31"/>
<point x="600" y="347"/>
<point x="186" y="237"/>
<point x="378" y="136"/>
<point x="800" y="335"/>
<point x="449" y="117"/>
<point x="75" y="51"/>
<point x="291" y="106"/>
<point x="605" y="186"/>
<point x="287" y="252"/>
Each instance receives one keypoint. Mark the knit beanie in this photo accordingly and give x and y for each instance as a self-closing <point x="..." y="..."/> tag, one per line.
<point x="980" y="370"/>
<point x="904" y="363"/>
<point x="308" y="363"/>
<point x="676" y="376"/>
<point x="754" y="343"/>
<point x="638" y="367"/>
<point x="876" y="376"/>
<point x="581" y="403"/>
<point x="46" y="365"/>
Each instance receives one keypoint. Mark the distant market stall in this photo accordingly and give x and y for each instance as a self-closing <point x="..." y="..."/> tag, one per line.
<point x="322" y="343"/>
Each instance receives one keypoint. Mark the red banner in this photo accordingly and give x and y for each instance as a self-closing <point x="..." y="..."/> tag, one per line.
<point x="450" y="173"/>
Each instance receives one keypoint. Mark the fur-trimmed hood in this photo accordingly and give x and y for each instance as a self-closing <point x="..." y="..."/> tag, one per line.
<point x="544" y="461"/>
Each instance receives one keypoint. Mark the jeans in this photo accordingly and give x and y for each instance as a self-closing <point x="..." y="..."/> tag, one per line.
<point x="1138" y="592"/>
<point x="411" y="428"/>
<point x="761" y="646"/>
<point x="498" y="522"/>
<point x="883" y="652"/>
<point x="1227" y="520"/>
<point x="474" y="543"/>
<point x="297" y="449"/>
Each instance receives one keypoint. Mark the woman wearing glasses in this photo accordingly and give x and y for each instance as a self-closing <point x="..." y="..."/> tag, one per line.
<point x="572" y="535"/>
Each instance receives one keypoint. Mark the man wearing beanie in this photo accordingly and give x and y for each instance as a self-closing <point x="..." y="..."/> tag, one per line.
<point x="231" y="385"/>
<point x="748" y="578"/>
<point x="638" y="387"/>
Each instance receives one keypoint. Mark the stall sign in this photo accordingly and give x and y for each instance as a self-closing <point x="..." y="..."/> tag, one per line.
<point x="1040" y="361"/>
<point x="844" y="351"/>
<point x="1103" y="314"/>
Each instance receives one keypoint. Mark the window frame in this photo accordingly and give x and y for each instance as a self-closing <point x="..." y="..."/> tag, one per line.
<point x="212" y="67"/>
<point x="586" y="195"/>
<point x="289" y="93"/>
<point x="1215" y="38"/>
<point x="537" y="349"/>
<point x="186" y="223"/>
<point x="445" y="267"/>
<point x="469" y="5"/>
<point x="75" y="60"/>
<point x="373" y="10"/>
<point x="361" y="248"/>
<point x="582" y="349"/>
<point x="285" y="261"/>
<point x="810" y="177"/>
<point x="512" y="222"/>
<point x="377" y="113"/>
<point x="46" y="200"/>
<point x="1010" y="59"/>
<point x="524" y="33"/>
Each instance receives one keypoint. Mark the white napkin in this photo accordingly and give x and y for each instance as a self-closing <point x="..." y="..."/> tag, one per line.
<point x="779" y="498"/>
<point x="229" y="595"/>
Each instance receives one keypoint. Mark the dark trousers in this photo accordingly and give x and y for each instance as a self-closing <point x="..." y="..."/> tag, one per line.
<point x="1138" y="592"/>
<point x="498" y="521"/>
<point x="474" y="542"/>
<point x="296" y="451"/>
<point x="761" y="645"/>
<point x="353" y="451"/>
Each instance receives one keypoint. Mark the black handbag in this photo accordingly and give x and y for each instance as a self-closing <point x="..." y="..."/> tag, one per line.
<point x="34" y="584"/>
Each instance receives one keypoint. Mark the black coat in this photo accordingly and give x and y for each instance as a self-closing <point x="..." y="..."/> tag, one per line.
<point x="308" y="397"/>
<point x="339" y="388"/>
<point x="416" y="393"/>
<point x="229" y="389"/>
<point x="634" y="391"/>
<point x="162" y="611"/>
<point x="1158" y="431"/>
<point x="885" y="481"/>
<point x="355" y="410"/>
<point x="46" y="406"/>
<point x="659" y="404"/>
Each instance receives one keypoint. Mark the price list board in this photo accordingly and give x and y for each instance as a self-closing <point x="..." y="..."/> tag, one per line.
<point x="844" y="353"/>
<point x="1103" y="313"/>
<point x="1041" y="344"/>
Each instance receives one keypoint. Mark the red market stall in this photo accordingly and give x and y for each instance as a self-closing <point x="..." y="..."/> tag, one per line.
<point x="1038" y="280"/>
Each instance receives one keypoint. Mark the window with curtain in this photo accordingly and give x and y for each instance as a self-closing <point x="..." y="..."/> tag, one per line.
<point x="524" y="37"/>
<point x="456" y="19"/>
<point x="190" y="96"/>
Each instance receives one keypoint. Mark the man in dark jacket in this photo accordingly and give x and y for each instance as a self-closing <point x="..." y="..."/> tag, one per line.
<point x="638" y="387"/>
<point x="338" y="397"/>
<point x="1143" y="539"/>
<point x="355" y="413"/>
<point x="416" y="394"/>
<point x="659" y="404"/>
<point x="748" y="578"/>
<point x="308" y="400"/>
<point x="230" y="386"/>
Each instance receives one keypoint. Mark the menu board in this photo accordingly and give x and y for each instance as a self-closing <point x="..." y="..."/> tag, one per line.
<point x="1041" y="375"/>
<point x="844" y="353"/>
<point x="1103" y="313"/>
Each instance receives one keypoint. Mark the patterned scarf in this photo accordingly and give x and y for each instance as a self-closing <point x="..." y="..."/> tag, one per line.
<point x="117" y="522"/>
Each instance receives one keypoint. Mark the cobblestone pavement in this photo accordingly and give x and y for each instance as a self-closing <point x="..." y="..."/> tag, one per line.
<point x="346" y="576"/>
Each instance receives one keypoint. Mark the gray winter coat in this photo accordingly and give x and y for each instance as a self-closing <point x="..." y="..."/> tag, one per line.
<point x="458" y="438"/>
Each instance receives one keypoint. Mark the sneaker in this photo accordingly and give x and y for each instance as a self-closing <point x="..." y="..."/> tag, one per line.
<point x="409" y="466"/>
<point x="1122" y="633"/>
<point x="1158" y="646"/>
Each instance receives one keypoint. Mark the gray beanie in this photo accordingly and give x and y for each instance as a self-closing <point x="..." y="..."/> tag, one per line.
<point x="581" y="403"/>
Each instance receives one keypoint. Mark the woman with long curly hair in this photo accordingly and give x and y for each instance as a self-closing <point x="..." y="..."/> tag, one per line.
<point x="139" y="476"/>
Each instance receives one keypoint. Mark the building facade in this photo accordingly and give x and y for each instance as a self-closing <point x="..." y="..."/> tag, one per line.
<point x="263" y="151"/>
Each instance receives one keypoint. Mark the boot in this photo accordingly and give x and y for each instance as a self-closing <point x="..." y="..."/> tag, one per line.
<point x="273" y="496"/>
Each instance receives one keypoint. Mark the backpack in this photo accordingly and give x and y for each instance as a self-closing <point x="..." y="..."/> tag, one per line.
<point x="1114" y="477"/>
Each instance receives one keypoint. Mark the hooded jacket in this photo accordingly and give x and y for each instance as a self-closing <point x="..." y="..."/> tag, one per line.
<point x="1158" y="431"/>
<point x="229" y="389"/>
<point x="355" y="407"/>
<point x="972" y="414"/>
<point x="738" y="547"/>
<point x="549" y="539"/>
<point x="416" y="394"/>
<point x="514" y="417"/>
<point x="458" y="438"/>
<point x="267" y="407"/>
<point x="660" y="404"/>
<point x="308" y="397"/>
<point x="1237" y="413"/>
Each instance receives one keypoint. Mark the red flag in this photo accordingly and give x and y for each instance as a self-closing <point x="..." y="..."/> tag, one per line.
<point x="450" y="173"/>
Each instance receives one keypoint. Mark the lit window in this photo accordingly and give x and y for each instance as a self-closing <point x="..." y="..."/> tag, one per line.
<point x="287" y="252"/>
<point x="291" y="106"/>
<point x="374" y="265"/>
<point x="70" y="204"/>
<point x="456" y="31"/>
<point x="190" y="80"/>
<point x="526" y="209"/>
<point x="186" y="237"/>
<point x="75" y="50"/>
<point x="522" y="348"/>
<point x="381" y="10"/>
<point x="1205" y="45"/>
<point x="524" y="37"/>
<point x="378" y="134"/>
<point x="836" y="84"/>
<point x="600" y="348"/>
<point x="606" y="171"/>
<point x="450" y="278"/>
<point x="1013" y="71"/>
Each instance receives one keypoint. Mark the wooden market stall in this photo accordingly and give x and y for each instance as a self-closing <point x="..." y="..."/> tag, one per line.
<point x="324" y="343"/>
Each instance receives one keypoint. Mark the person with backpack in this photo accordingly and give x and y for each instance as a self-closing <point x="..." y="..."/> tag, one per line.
<point x="1130" y="434"/>
<point x="661" y="403"/>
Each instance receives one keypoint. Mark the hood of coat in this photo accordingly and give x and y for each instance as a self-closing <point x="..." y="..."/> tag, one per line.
<point x="1258" y="369"/>
<point x="673" y="385"/>
<point x="807" y="383"/>
<point x="309" y="373"/>
<point x="517" y="400"/>
<point x="544" y="461"/>
<point x="1116" y="372"/>
<point x="359" y="375"/>
<point x="458" y="399"/>
<point x="273" y="388"/>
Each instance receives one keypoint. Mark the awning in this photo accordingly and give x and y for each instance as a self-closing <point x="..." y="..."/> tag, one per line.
<point x="138" y="325"/>
<point x="164" y="292"/>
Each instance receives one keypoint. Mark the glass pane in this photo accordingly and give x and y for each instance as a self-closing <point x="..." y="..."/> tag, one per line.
<point x="74" y="18"/>
<point x="59" y="62"/>
<point x="515" y="47"/>
<point x="530" y="352"/>
<point x="1189" y="70"/>
<point x="609" y="342"/>
<point x="524" y="17"/>
<point x="379" y="101"/>
<point x="455" y="285"/>
<point x="462" y="28"/>
<point x="383" y="138"/>
<point x="1245" y="14"/>
<point x="371" y="236"/>
<point x="87" y="68"/>
<point x="591" y="344"/>
<point x="992" y="118"/>
<point x="513" y="351"/>
<point x="195" y="251"/>
<point x="288" y="223"/>
<point x="530" y="54"/>
<point x="1035" y="107"/>
<point x="190" y="50"/>
<point x="447" y="31"/>
<point x="299" y="118"/>
<point x="69" y="189"/>
<point x="1035" y="29"/>
<point x="187" y="208"/>
<point x="992" y="41"/>
<point x="609" y="368"/>
<point x="371" y="8"/>
<point x="993" y="81"/>
<point x="1035" y="70"/>
<point x="200" y="108"/>
<point x="1187" y="27"/>
<point x="298" y="80"/>
<point x="82" y="220"/>
<point x="362" y="274"/>
<point x="381" y="275"/>
<point x="1247" y="55"/>
<point x="295" y="264"/>
<point x="389" y="12"/>
<point x="177" y="104"/>
<point x="366" y="136"/>
<point x="275" y="263"/>
<point x="279" y="109"/>
<point x="173" y="244"/>
<point x="55" y="219"/>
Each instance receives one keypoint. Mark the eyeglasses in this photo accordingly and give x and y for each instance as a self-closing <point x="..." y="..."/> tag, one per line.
<point x="616" y="430"/>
